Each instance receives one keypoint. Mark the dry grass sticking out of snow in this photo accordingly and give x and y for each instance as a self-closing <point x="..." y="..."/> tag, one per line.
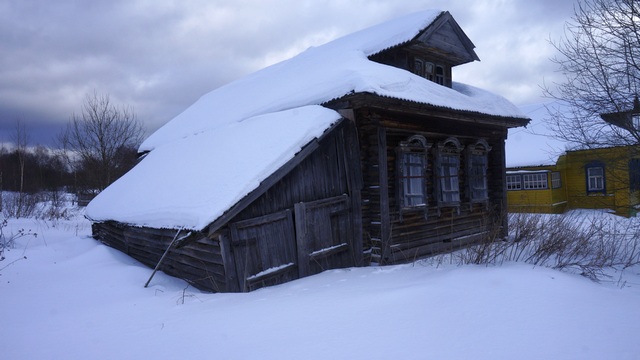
<point x="74" y="298"/>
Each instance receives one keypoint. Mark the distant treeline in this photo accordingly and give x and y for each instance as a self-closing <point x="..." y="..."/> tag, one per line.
<point x="43" y="169"/>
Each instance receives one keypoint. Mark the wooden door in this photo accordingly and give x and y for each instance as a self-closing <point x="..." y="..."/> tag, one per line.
<point x="264" y="250"/>
<point x="324" y="233"/>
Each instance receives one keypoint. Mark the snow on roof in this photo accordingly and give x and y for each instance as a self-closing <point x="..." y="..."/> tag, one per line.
<point x="191" y="182"/>
<point x="323" y="73"/>
<point x="223" y="146"/>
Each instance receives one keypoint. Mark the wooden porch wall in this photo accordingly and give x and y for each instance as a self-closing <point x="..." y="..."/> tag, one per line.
<point x="411" y="236"/>
<point x="199" y="261"/>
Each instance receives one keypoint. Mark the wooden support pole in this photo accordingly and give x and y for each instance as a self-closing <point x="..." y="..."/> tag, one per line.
<point x="175" y="238"/>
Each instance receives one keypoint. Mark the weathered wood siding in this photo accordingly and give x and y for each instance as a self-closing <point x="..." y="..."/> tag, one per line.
<point x="199" y="261"/>
<point x="307" y="222"/>
<point x="392" y="238"/>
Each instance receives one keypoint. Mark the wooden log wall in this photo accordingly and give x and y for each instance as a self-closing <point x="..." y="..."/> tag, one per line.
<point x="411" y="235"/>
<point x="370" y="193"/>
<point x="199" y="261"/>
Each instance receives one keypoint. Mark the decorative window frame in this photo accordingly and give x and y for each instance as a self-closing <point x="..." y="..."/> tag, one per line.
<point x="590" y="170"/>
<point x="477" y="164"/>
<point x="414" y="145"/>
<point x="450" y="149"/>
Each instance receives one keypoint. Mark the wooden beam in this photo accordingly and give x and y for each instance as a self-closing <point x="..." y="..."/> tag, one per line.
<point x="230" y="271"/>
<point x="300" y="213"/>
<point x="385" y="217"/>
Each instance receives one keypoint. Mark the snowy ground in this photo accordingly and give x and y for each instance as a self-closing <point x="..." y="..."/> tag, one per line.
<point x="74" y="298"/>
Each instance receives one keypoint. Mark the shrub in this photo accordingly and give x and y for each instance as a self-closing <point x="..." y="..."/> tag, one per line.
<point x="587" y="245"/>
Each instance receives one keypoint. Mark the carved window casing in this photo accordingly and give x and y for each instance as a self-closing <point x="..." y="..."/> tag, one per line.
<point x="412" y="172"/>
<point x="477" y="165"/>
<point x="447" y="171"/>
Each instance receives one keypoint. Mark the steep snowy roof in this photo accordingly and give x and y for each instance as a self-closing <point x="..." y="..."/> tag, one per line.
<point x="223" y="146"/>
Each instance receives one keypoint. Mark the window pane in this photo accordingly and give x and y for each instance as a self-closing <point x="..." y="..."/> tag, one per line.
<point x="478" y="177"/>
<point x="413" y="178"/>
<point x="598" y="171"/>
<point x="449" y="184"/>
<point x="595" y="179"/>
<point x="535" y="181"/>
<point x="514" y="182"/>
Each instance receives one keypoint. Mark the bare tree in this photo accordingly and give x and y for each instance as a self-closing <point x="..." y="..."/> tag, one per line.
<point x="20" y="139"/>
<point x="98" y="136"/>
<point x="600" y="58"/>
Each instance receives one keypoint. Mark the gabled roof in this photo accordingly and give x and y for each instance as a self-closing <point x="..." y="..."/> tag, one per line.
<point x="435" y="39"/>
<point x="221" y="148"/>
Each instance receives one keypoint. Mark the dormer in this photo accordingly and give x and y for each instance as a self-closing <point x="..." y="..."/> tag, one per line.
<point x="433" y="52"/>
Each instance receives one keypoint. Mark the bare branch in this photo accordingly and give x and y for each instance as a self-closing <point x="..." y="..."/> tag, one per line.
<point x="99" y="135"/>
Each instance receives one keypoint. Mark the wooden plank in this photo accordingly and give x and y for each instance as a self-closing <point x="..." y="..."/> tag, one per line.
<point x="302" y="239"/>
<point x="326" y="252"/>
<point x="385" y="219"/>
<point x="272" y="272"/>
<point x="355" y="183"/>
<point x="230" y="271"/>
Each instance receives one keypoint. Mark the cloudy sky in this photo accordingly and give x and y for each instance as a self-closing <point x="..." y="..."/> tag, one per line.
<point x="160" y="56"/>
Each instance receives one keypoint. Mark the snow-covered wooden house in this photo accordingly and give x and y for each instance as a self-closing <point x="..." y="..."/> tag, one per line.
<point x="361" y="150"/>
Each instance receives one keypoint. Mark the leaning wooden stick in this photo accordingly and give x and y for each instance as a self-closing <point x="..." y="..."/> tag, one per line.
<point x="175" y="238"/>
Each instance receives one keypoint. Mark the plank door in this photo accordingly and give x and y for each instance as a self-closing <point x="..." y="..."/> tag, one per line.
<point x="324" y="233"/>
<point x="264" y="250"/>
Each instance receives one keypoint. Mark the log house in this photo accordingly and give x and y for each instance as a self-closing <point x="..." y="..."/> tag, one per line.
<point x="394" y="179"/>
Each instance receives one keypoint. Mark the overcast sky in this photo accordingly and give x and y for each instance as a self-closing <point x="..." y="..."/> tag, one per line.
<point x="160" y="56"/>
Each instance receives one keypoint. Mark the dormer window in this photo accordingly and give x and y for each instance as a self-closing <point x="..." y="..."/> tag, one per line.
<point x="418" y="67"/>
<point x="429" y="70"/>
<point x="439" y="78"/>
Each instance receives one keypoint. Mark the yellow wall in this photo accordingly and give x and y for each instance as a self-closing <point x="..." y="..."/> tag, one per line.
<point x="573" y="192"/>
<point x="538" y="200"/>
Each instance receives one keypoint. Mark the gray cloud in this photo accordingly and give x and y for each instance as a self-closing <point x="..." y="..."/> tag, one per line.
<point x="161" y="56"/>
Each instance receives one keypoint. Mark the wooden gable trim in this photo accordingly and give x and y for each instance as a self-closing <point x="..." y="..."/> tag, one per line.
<point x="446" y="22"/>
<point x="270" y="181"/>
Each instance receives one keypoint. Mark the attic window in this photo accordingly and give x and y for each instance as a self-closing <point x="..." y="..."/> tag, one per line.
<point x="418" y="67"/>
<point x="439" y="74"/>
<point x="429" y="70"/>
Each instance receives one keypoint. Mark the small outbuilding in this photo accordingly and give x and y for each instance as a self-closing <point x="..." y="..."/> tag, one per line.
<point x="363" y="150"/>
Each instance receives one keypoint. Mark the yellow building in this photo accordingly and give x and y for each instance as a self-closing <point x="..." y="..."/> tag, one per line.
<point x="607" y="178"/>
